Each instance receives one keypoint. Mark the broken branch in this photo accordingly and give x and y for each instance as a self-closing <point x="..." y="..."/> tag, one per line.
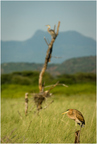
<point x="56" y="85"/>
<point x="58" y="28"/>
<point x="26" y="103"/>
<point x="48" y="104"/>
<point x="46" y="41"/>
<point x="77" y="136"/>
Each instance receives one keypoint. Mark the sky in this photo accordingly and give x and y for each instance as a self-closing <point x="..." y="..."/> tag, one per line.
<point x="21" y="19"/>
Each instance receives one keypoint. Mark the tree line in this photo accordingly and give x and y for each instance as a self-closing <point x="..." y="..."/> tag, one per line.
<point x="32" y="77"/>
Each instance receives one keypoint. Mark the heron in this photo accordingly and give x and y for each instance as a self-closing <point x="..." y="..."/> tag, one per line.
<point x="51" y="32"/>
<point x="76" y="116"/>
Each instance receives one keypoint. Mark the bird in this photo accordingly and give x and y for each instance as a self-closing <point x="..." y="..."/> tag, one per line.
<point x="51" y="32"/>
<point x="76" y="116"/>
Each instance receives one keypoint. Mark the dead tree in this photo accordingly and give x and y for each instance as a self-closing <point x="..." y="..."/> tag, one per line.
<point x="77" y="137"/>
<point x="47" y="59"/>
<point x="26" y="103"/>
<point x="42" y="95"/>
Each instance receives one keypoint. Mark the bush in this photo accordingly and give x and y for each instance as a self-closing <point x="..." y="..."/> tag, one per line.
<point x="85" y="77"/>
<point x="21" y="80"/>
<point x="77" y="78"/>
<point x="25" y="78"/>
<point x="28" y="77"/>
<point x="6" y="79"/>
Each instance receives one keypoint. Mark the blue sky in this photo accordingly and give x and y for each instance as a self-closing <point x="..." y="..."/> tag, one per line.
<point x="20" y="20"/>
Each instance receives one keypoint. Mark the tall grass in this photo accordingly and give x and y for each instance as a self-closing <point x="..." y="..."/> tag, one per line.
<point x="16" y="91"/>
<point x="50" y="126"/>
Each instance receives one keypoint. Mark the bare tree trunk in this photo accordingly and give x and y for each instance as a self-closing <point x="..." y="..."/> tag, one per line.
<point x="26" y="103"/>
<point x="77" y="137"/>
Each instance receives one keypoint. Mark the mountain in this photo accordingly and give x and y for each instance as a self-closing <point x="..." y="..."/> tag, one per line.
<point x="68" y="44"/>
<point x="75" y="65"/>
<point x="71" y="66"/>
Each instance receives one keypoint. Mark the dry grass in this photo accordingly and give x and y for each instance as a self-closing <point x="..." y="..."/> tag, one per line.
<point x="50" y="126"/>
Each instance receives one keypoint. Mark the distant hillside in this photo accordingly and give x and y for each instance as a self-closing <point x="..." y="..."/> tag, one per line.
<point x="74" y="65"/>
<point x="68" y="44"/>
<point x="71" y="66"/>
<point x="16" y="67"/>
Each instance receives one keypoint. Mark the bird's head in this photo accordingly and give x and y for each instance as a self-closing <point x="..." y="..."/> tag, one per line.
<point x="65" y="112"/>
<point x="48" y="26"/>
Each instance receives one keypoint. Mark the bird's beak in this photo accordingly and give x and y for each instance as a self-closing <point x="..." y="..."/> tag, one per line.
<point x="65" y="112"/>
<point x="47" y="25"/>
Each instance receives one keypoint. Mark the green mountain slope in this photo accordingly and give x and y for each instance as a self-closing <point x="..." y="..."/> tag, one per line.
<point x="74" y="65"/>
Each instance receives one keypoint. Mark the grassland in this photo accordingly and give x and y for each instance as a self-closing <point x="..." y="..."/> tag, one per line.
<point x="50" y="126"/>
